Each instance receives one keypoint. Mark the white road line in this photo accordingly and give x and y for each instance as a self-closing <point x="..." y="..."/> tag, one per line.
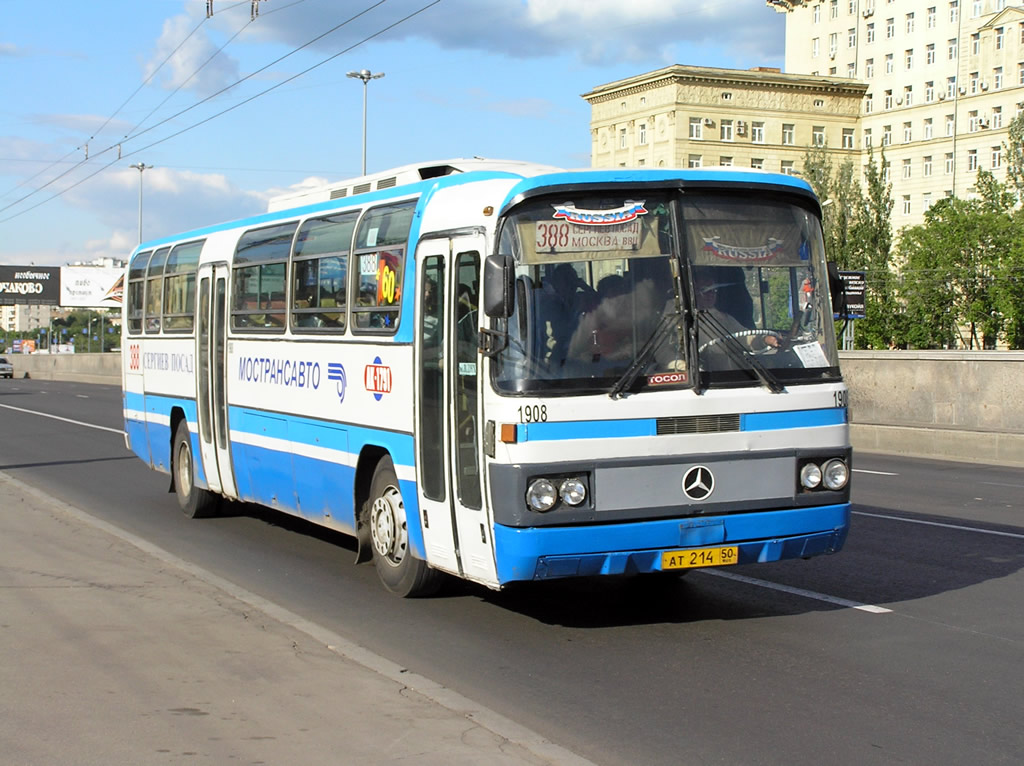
<point x="65" y="420"/>
<point x="798" y="591"/>
<point x="876" y="473"/>
<point x="939" y="524"/>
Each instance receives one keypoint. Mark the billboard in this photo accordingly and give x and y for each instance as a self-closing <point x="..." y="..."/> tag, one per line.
<point x="91" y="286"/>
<point x="29" y="285"/>
<point x="855" y="289"/>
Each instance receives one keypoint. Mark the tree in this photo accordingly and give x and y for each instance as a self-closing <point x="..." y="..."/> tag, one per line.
<point x="871" y="241"/>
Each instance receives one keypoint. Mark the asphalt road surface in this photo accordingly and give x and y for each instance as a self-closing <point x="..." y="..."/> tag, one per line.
<point x="907" y="647"/>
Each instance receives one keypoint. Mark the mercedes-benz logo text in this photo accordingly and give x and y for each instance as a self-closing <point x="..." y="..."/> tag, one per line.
<point x="698" y="482"/>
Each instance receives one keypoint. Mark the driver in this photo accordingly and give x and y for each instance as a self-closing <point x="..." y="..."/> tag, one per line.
<point x="713" y="291"/>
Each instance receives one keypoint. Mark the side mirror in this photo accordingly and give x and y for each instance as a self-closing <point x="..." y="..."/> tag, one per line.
<point x="499" y="286"/>
<point x="836" y="289"/>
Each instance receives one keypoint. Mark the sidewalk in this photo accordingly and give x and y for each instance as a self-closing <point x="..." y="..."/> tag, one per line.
<point x="113" y="654"/>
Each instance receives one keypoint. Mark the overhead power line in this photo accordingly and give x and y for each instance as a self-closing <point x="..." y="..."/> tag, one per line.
<point x="233" y="107"/>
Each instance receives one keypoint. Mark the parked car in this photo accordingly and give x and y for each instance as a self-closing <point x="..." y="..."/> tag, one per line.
<point x="6" y="368"/>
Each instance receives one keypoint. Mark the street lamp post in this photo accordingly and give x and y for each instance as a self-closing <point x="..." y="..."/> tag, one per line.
<point x="365" y="75"/>
<point x="141" y="167"/>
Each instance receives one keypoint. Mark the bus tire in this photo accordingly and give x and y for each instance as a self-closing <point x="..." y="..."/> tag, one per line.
<point x="401" y="572"/>
<point x="196" y="503"/>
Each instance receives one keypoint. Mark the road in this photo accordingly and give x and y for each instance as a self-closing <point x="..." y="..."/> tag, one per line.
<point x="904" y="648"/>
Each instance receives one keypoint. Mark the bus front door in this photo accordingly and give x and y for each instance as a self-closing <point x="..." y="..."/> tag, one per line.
<point x="455" y="524"/>
<point x="211" y="378"/>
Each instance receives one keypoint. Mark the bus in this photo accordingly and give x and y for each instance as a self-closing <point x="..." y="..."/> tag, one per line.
<point x="506" y="372"/>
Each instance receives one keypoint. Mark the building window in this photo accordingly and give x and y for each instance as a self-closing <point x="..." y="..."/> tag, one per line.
<point x="928" y="134"/>
<point x="847" y="138"/>
<point x="867" y="138"/>
<point x="929" y="54"/>
<point x="908" y="95"/>
<point x="910" y="23"/>
<point x="908" y="133"/>
<point x="976" y="9"/>
<point x="726" y="130"/>
<point x="787" y="167"/>
<point x="641" y="134"/>
<point x="1020" y="73"/>
<point x="929" y="92"/>
<point x="851" y="70"/>
<point x="694" y="161"/>
<point x="641" y="162"/>
<point x="757" y="132"/>
<point x="886" y="135"/>
<point x="818" y="135"/>
<point x="949" y="163"/>
<point x="1000" y="38"/>
<point x="926" y="166"/>
<point x="931" y="17"/>
<point x="757" y="163"/>
<point x="997" y="157"/>
<point x="888" y="63"/>
<point x="851" y="38"/>
<point x="997" y="117"/>
<point x="890" y="28"/>
<point x="869" y="68"/>
<point x="817" y="14"/>
<point x="815" y="47"/>
<point x="888" y="99"/>
<point x="951" y="47"/>
<point x="696" y="128"/>
<point x="851" y="8"/>
<point x="972" y="121"/>
<point x="951" y="87"/>
<point x="870" y="32"/>
<point x="725" y="162"/>
<point x="788" y="134"/>
<point x="972" y="160"/>
<point x="906" y="204"/>
<point x="833" y="11"/>
<point x="997" y="78"/>
<point x="926" y="202"/>
<point x="976" y="43"/>
<point x="908" y="58"/>
<point x="622" y="138"/>
<point x="833" y="44"/>
<point x="973" y="82"/>
<point x="954" y="11"/>
<point x="869" y="104"/>
<point x="950" y="125"/>
<point x="906" y="169"/>
<point x="886" y="172"/>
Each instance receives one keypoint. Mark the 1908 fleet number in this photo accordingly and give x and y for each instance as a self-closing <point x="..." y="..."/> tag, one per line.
<point x="533" y="413"/>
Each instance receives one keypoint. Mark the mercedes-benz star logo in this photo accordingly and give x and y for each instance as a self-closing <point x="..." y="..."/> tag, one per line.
<point x="698" y="482"/>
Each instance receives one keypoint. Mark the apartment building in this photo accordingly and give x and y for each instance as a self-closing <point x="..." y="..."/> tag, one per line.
<point x="686" y="116"/>
<point x="944" y="79"/>
<point x="23" y="318"/>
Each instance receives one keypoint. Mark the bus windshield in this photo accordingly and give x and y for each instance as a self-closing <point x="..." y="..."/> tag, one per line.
<point x="666" y="289"/>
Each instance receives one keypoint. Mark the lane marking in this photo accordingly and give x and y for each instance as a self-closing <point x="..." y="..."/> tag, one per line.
<point x="939" y="524"/>
<point x="876" y="473"/>
<point x="1001" y="484"/>
<point x="64" y="420"/>
<point x="448" y="698"/>
<point x="798" y="591"/>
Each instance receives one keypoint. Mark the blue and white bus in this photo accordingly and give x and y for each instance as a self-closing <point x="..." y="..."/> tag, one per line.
<point x="505" y="372"/>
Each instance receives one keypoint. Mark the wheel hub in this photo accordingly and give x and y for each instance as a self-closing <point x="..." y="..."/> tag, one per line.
<point x="388" y="526"/>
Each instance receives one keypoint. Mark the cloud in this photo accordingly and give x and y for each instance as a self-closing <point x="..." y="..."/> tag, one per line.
<point x="10" y="49"/>
<point x="186" y="56"/>
<point x="645" y="33"/>
<point x="173" y="201"/>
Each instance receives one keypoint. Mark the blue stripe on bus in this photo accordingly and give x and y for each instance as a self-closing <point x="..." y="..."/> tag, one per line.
<point x="545" y="552"/>
<point x="613" y="429"/>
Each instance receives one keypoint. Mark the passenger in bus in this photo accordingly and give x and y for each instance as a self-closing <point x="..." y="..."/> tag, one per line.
<point x="719" y="295"/>
<point x="609" y="331"/>
<point x="565" y="298"/>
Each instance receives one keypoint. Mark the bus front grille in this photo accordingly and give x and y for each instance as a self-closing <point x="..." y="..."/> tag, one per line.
<point x="698" y="424"/>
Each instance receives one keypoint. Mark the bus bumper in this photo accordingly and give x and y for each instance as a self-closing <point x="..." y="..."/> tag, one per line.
<point x="543" y="553"/>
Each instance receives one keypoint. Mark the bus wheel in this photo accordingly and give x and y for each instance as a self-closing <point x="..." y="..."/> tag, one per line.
<point x="402" y="573"/>
<point x="195" y="502"/>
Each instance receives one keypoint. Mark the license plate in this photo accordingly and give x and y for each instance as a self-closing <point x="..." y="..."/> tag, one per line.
<point x="700" y="557"/>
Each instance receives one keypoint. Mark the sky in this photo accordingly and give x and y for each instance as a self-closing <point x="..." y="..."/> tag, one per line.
<point x="230" y="110"/>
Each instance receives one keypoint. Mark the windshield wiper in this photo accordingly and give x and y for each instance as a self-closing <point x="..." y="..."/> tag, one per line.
<point x="738" y="353"/>
<point x="643" y="356"/>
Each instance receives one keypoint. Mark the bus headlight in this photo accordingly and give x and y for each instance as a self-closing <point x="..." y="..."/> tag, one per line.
<point x="573" y="492"/>
<point x="835" y="474"/>
<point x="541" y="495"/>
<point x="810" y="476"/>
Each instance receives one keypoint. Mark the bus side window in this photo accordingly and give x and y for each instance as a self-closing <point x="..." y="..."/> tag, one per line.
<point x="137" y="290"/>
<point x="258" y="278"/>
<point x="154" y="289"/>
<point x="319" y="268"/>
